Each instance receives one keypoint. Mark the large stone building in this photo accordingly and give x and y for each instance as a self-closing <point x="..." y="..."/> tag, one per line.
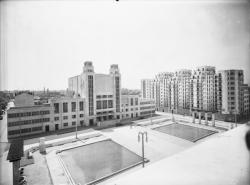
<point x="102" y="93"/>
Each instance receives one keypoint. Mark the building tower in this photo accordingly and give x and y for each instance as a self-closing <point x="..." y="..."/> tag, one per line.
<point x="115" y="73"/>
<point x="88" y="91"/>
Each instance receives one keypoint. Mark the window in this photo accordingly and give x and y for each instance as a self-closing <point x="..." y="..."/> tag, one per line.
<point x="56" y="107"/>
<point x="73" y="123"/>
<point x="56" y="118"/>
<point x="65" y="117"/>
<point x="37" y="128"/>
<point x="65" y="124"/>
<point x="73" y="116"/>
<point x="98" y="104"/>
<point x="81" y="105"/>
<point x="25" y="130"/>
<point x="13" y="132"/>
<point x="91" y="94"/>
<point x="44" y="112"/>
<point x="136" y="101"/>
<point x="131" y="101"/>
<point x="73" y="106"/>
<point x="104" y="104"/>
<point x="104" y="96"/>
<point x="110" y="103"/>
<point x="65" y="107"/>
<point x="81" y="115"/>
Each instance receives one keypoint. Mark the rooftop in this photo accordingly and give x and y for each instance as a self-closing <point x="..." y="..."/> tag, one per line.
<point x="223" y="159"/>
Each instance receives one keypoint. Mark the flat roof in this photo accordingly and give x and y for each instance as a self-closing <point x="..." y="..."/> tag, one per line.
<point x="222" y="159"/>
<point x="32" y="106"/>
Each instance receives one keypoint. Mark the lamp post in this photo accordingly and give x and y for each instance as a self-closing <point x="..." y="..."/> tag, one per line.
<point x="235" y="118"/>
<point x="141" y="134"/>
<point x="151" y="116"/>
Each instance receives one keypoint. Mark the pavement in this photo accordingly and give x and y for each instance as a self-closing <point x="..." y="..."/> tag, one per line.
<point x="6" y="166"/>
<point x="223" y="159"/>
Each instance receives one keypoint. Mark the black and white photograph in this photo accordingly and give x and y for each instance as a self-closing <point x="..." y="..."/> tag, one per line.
<point x="125" y="92"/>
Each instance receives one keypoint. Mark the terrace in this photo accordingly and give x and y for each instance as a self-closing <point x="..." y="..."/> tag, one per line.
<point x="112" y="154"/>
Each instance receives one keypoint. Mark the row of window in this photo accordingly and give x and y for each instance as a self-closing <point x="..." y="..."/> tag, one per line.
<point x="145" y="102"/>
<point x="147" y="107"/>
<point x="73" y="123"/>
<point x="27" y="122"/>
<point x="26" y="114"/>
<point x="25" y="130"/>
<point x="66" y="117"/>
<point x="146" y="112"/>
<point x="104" y="96"/>
<point x="65" y="107"/>
<point x="104" y="104"/>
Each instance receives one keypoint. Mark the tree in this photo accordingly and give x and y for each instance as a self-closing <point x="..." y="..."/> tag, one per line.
<point x="4" y="99"/>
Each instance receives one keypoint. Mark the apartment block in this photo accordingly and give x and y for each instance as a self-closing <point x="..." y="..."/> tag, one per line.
<point x="200" y="90"/>
<point x="203" y="89"/>
<point x="230" y="92"/>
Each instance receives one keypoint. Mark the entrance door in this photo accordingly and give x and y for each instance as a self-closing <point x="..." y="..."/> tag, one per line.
<point x="56" y="127"/>
<point x="91" y="122"/>
<point x="47" y="128"/>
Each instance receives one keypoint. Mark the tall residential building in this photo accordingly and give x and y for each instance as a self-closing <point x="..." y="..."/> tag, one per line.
<point x="204" y="89"/>
<point x="151" y="90"/>
<point x="164" y="88"/>
<point x="102" y="93"/>
<point x="230" y="93"/>
<point x="184" y="88"/>
<point x="147" y="88"/>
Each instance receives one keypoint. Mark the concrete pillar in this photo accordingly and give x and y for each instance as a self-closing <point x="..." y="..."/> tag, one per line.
<point x="16" y="173"/>
<point x="206" y="122"/>
<point x="193" y="117"/>
<point x="42" y="147"/>
<point x="213" y="120"/>
<point x="199" y="117"/>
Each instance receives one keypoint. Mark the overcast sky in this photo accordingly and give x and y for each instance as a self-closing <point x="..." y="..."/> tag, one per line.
<point x="43" y="43"/>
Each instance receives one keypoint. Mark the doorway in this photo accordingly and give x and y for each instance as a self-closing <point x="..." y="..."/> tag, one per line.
<point x="47" y="128"/>
<point x="91" y="122"/>
<point x="57" y="127"/>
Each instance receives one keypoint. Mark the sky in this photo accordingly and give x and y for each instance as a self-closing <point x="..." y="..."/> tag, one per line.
<point x="43" y="43"/>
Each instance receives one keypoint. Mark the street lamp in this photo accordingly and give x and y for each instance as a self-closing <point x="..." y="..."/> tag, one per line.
<point x="235" y="118"/>
<point x="141" y="134"/>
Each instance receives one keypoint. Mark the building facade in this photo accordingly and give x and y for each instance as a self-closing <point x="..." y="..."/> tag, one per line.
<point x="30" y="119"/>
<point x="199" y="90"/>
<point x="101" y="92"/>
<point x="134" y="107"/>
<point x="231" y="94"/>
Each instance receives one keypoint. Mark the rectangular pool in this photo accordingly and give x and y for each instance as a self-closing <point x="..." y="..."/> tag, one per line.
<point x="186" y="132"/>
<point x="94" y="161"/>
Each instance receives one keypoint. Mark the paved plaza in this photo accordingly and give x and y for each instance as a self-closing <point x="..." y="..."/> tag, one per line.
<point x="160" y="146"/>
